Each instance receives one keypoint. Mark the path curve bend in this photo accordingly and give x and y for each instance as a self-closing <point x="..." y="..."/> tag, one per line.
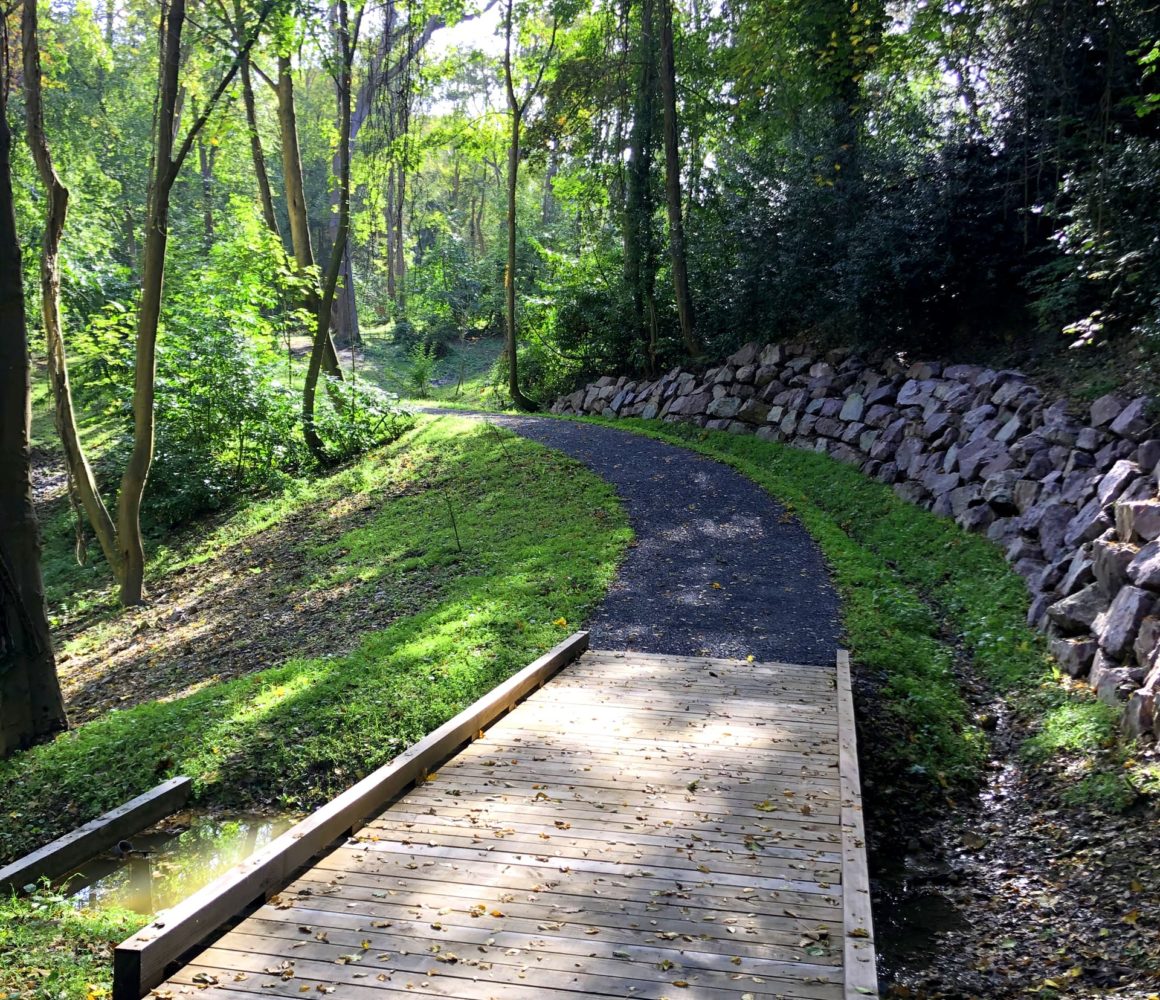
<point x="698" y="523"/>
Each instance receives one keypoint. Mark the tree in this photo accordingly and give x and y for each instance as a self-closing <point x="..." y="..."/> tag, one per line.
<point x="639" y="244"/>
<point x="31" y="706"/>
<point x="123" y="544"/>
<point x="346" y="42"/>
<point x="673" y="182"/>
<point x="517" y="108"/>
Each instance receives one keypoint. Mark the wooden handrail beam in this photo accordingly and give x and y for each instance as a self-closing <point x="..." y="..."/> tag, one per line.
<point x="140" y="962"/>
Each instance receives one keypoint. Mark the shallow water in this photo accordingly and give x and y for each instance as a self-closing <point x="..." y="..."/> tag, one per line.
<point x="168" y="862"/>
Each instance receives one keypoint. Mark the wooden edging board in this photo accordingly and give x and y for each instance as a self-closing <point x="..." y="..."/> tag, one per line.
<point x="858" y="927"/>
<point x="139" y="963"/>
<point x="66" y="853"/>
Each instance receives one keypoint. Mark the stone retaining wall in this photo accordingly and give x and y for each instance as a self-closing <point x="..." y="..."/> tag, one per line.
<point x="1072" y="501"/>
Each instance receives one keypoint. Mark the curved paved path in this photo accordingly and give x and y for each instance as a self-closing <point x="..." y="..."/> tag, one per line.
<point x="697" y="523"/>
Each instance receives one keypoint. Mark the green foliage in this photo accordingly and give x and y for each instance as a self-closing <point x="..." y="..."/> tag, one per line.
<point x="1071" y="727"/>
<point x="422" y="358"/>
<point x="52" y="951"/>
<point x="541" y="538"/>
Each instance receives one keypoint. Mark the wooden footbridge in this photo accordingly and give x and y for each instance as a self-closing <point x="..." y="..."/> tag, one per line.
<point x="634" y="826"/>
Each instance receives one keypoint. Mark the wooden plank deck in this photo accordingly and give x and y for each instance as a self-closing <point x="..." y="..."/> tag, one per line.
<point x="642" y="826"/>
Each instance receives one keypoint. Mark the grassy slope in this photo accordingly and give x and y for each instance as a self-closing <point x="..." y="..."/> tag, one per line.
<point x="900" y="570"/>
<point x="541" y="538"/>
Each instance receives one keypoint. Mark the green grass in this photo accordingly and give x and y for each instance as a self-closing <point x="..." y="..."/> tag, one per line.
<point x="465" y="370"/>
<point x="539" y="541"/>
<point x="51" y="951"/>
<point x="913" y="586"/>
<point x="541" y="538"/>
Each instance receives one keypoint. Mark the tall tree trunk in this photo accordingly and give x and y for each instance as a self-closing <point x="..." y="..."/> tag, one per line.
<point x="82" y="482"/>
<point x="683" y="295"/>
<point x="639" y="249"/>
<point x="206" y="154"/>
<point x="257" y="154"/>
<point x="296" y="203"/>
<point x="130" y="545"/>
<point x="515" y="111"/>
<point x="330" y="281"/>
<point x="31" y="706"/>
<point x="389" y="219"/>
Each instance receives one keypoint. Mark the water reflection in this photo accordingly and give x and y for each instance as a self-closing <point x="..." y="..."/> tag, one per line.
<point x="163" y="865"/>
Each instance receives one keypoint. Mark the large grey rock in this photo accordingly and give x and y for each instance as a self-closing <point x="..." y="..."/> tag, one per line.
<point x="1009" y="431"/>
<point x="1110" y="561"/>
<point x="1111" y="682"/>
<point x="690" y="406"/>
<point x="1089" y="523"/>
<point x="1117" y="479"/>
<point x="1140" y="717"/>
<point x="773" y="355"/>
<point x="976" y="454"/>
<point x="964" y="497"/>
<point x="915" y="392"/>
<point x="726" y="407"/>
<point x="1106" y="409"/>
<point x="1144" y="569"/>
<point x="1133" y="421"/>
<point x="1147" y="454"/>
<point x="978" y="415"/>
<point x="1074" y="655"/>
<point x="976" y="518"/>
<point x="1138" y="520"/>
<point x="1078" y="573"/>
<point x="853" y="408"/>
<point x="1078" y="612"/>
<point x="765" y="375"/>
<point x="999" y="492"/>
<point x="1147" y="645"/>
<point x="1025" y="493"/>
<point x="1052" y="527"/>
<point x="1120" y="623"/>
<point x="753" y="412"/>
<point x="1090" y="439"/>
<point x="746" y="356"/>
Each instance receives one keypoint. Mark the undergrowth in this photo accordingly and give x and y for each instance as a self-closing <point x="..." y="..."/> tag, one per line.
<point x="51" y="950"/>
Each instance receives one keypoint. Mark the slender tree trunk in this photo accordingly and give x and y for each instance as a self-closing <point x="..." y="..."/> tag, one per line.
<point x="31" y="706"/>
<point x="257" y="154"/>
<point x="639" y="251"/>
<point x="389" y="219"/>
<point x="509" y="280"/>
<point x="206" y="156"/>
<point x="683" y="295"/>
<point x="338" y="251"/>
<point x="130" y="546"/>
<point x="82" y="482"/>
<point x="296" y="203"/>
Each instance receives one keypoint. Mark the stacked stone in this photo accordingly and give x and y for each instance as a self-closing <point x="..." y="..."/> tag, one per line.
<point x="1072" y="502"/>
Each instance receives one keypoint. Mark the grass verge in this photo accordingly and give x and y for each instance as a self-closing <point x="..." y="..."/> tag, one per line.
<point x="914" y="586"/>
<point x="51" y="950"/>
<point x="508" y="545"/>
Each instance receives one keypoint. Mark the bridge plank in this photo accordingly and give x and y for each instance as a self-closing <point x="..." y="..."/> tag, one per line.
<point x="642" y="825"/>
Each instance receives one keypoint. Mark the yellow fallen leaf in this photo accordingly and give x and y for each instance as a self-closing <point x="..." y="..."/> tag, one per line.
<point x="716" y="585"/>
<point x="561" y="622"/>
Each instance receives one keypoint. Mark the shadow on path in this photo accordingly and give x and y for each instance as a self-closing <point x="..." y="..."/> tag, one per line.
<point x="719" y="568"/>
